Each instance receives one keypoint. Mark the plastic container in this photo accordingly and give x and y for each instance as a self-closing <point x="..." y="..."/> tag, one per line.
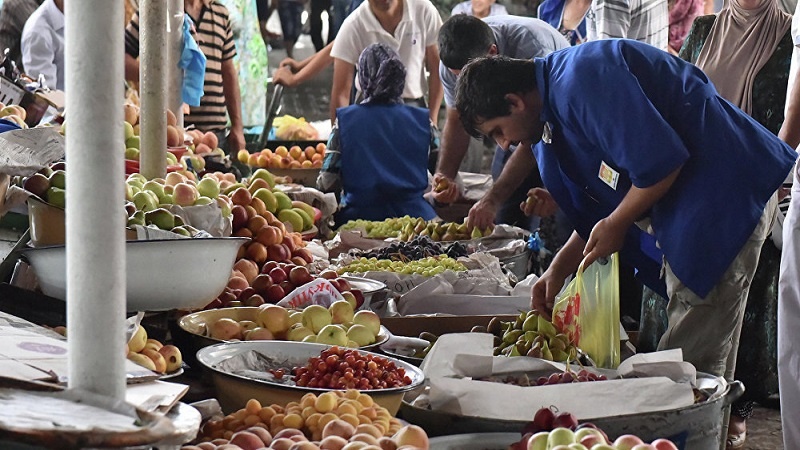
<point x="233" y="390"/>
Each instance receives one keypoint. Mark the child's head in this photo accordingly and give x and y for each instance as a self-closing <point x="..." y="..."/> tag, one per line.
<point x="381" y="74"/>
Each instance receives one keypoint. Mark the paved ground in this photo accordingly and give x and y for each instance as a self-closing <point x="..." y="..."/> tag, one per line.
<point x="764" y="430"/>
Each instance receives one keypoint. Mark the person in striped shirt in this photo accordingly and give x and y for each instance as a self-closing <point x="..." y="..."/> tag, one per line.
<point x="221" y="87"/>
<point x="641" y="20"/>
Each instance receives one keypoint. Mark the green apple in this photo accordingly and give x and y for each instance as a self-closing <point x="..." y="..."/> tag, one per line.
<point x="265" y="175"/>
<point x="361" y="335"/>
<point x="315" y="317"/>
<point x="136" y="179"/>
<point x="171" y="159"/>
<point x="538" y="441"/>
<point x="341" y="311"/>
<point x="369" y="319"/>
<point x="145" y="201"/>
<point x="182" y="231"/>
<point x="295" y="317"/>
<point x="203" y="201"/>
<point x="208" y="187"/>
<point x="560" y="436"/>
<point x="310" y="338"/>
<point x="132" y="153"/>
<point x="332" y="335"/>
<point x="57" y="197"/>
<point x="133" y="142"/>
<point x="167" y="199"/>
<point x="154" y="187"/>
<point x="161" y="218"/>
<point x="297" y="332"/>
<point x="58" y="179"/>
<point x="129" y="192"/>
<point x="577" y="446"/>
<point x="128" y="131"/>
<point x="136" y="218"/>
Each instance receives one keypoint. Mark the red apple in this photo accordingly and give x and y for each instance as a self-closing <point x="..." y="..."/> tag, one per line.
<point x="278" y="252"/>
<point x="543" y="419"/>
<point x="344" y="285"/>
<point x="329" y="274"/>
<point x="359" y="297"/>
<point x="269" y="265"/>
<point x="262" y="282"/>
<point x="278" y="275"/>
<point x="300" y="276"/>
<point x="246" y="293"/>
<point x="274" y="293"/>
<point x="304" y="253"/>
<point x="238" y="217"/>
<point x="565" y="420"/>
<point x="216" y="303"/>
<point x="254" y="300"/>
<point x="287" y="286"/>
<point x="289" y="242"/>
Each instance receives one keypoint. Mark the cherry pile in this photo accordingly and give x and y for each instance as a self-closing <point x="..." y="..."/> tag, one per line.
<point x="339" y="368"/>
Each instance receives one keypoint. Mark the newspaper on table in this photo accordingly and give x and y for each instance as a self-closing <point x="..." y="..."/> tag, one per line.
<point x="456" y="359"/>
<point x="25" y="152"/>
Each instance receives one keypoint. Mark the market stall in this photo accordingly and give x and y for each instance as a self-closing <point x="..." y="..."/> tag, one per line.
<point x="234" y="314"/>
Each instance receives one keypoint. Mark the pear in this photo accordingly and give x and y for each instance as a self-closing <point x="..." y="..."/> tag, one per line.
<point x="557" y="344"/>
<point x="514" y="351"/>
<point x="435" y="236"/>
<point x="559" y="355"/>
<point x="531" y="323"/>
<point x="448" y="237"/>
<point x="535" y="351"/>
<point x="546" y="327"/>
<point x="512" y="336"/>
<point x="420" y="227"/>
<point x="523" y="347"/>
<point x="546" y="353"/>
<point x="452" y="228"/>
<point x="494" y="326"/>
<point x="530" y="336"/>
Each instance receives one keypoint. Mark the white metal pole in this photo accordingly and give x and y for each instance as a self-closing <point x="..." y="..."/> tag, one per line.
<point x="153" y="68"/>
<point x="95" y="224"/>
<point x="175" y="47"/>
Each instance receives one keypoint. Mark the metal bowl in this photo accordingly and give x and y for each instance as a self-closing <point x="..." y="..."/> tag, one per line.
<point x="195" y="325"/>
<point x="233" y="390"/>
<point x="474" y="441"/>
<point x="161" y="274"/>
<point x="374" y="291"/>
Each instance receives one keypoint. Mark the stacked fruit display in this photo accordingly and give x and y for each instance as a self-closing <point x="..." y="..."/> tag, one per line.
<point x="338" y="368"/>
<point x="49" y="185"/>
<point x="332" y="420"/>
<point x="407" y="228"/>
<point x="294" y="157"/>
<point x="418" y="248"/>
<point x="427" y="267"/>
<point x="14" y="113"/>
<point x="560" y="431"/>
<point x="251" y="286"/>
<point x="532" y="335"/>
<point x="259" y="193"/>
<point x="336" y="325"/>
<point x="152" y="354"/>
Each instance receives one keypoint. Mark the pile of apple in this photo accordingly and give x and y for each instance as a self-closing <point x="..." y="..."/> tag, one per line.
<point x="560" y="431"/>
<point x="259" y="192"/>
<point x="337" y="325"/>
<point x="249" y="286"/>
<point x="14" y="113"/>
<point x="283" y="158"/>
<point x="152" y="354"/>
<point x="332" y="420"/>
<point x="48" y="184"/>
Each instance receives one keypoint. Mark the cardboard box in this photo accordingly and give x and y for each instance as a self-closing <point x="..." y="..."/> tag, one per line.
<point x="438" y="325"/>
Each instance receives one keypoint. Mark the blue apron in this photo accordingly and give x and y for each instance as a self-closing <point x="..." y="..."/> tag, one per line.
<point x="384" y="152"/>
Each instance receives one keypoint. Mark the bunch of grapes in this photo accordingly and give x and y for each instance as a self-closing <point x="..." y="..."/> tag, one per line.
<point x="418" y="248"/>
<point x="428" y="267"/>
<point x="338" y="368"/>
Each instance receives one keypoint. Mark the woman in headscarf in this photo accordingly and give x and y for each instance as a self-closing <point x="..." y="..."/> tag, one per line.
<point x="746" y="51"/>
<point x="377" y="155"/>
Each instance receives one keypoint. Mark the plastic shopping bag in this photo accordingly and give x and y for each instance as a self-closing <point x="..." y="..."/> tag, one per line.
<point x="587" y="311"/>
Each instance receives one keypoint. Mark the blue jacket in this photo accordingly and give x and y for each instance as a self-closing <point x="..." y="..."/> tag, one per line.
<point x="384" y="159"/>
<point x="653" y="114"/>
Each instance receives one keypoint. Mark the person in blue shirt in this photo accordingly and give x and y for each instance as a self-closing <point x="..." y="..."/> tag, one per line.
<point x="639" y="142"/>
<point x="378" y="150"/>
<point x="566" y="16"/>
<point x="461" y="39"/>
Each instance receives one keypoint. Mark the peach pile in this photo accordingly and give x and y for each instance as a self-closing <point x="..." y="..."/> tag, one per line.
<point x="340" y="420"/>
<point x="294" y="157"/>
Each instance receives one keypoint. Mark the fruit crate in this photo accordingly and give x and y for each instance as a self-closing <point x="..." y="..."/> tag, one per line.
<point x="10" y="92"/>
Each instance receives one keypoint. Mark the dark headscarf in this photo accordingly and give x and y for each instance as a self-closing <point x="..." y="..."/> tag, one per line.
<point x="381" y="74"/>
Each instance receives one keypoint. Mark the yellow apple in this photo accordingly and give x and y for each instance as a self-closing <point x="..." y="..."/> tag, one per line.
<point x="315" y="317"/>
<point x="341" y="311"/>
<point x="332" y="335"/>
<point x="361" y="335"/>
<point x="138" y="340"/>
<point x="158" y="359"/>
<point x="274" y="318"/>
<point x="142" y="360"/>
<point x="172" y="355"/>
<point x="369" y="319"/>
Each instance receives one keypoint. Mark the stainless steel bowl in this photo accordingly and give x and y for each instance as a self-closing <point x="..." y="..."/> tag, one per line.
<point x="161" y="274"/>
<point x="233" y="390"/>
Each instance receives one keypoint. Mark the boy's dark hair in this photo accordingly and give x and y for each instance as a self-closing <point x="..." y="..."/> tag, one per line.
<point x="463" y="38"/>
<point x="483" y="85"/>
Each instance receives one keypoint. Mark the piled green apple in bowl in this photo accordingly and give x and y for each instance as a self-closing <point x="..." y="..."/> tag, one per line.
<point x="338" y="325"/>
<point x="560" y="431"/>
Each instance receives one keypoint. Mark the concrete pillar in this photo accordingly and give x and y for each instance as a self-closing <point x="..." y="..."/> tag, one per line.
<point x="95" y="221"/>
<point x="175" y="47"/>
<point x="153" y="69"/>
